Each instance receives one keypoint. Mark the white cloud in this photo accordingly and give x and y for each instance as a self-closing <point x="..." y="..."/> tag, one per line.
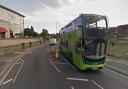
<point x="47" y="17"/>
<point x="72" y="1"/>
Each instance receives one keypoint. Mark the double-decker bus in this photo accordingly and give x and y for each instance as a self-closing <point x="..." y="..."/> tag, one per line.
<point x="84" y="41"/>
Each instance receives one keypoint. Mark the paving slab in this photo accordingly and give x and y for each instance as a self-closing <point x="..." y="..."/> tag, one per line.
<point x="119" y="65"/>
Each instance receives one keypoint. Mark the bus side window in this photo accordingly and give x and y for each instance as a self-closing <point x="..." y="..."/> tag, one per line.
<point x="78" y="46"/>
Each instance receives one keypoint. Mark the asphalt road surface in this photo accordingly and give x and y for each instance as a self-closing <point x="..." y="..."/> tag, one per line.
<point x="37" y="71"/>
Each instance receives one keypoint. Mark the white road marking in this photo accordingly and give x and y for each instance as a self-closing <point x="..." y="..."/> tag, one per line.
<point x="18" y="71"/>
<point x="72" y="87"/>
<point x="19" y="63"/>
<point x="59" y="63"/>
<point x="55" y="66"/>
<point x="78" y="79"/>
<point x="3" y="78"/>
<point x="70" y="64"/>
<point x="97" y="84"/>
<point x="6" y="66"/>
<point x="119" y="74"/>
<point x="10" y="68"/>
<point x="7" y="81"/>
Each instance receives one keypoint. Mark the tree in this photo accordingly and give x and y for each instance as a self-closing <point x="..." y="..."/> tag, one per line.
<point x="58" y="35"/>
<point x="27" y="32"/>
<point x="44" y="34"/>
<point x="54" y="35"/>
<point x="35" y="34"/>
<point x="32" y="30"/>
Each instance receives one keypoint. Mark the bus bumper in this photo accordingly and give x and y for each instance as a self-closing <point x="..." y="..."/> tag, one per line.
<point x="92" y="67"/>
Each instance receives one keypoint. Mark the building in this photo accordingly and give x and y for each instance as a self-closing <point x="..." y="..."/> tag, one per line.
<point x="120" y="31"/>
<point x="123" y="30"/>
<point x="11" y="23"/>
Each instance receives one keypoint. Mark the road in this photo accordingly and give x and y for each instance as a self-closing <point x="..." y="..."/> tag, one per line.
<point x="37" y="71"/>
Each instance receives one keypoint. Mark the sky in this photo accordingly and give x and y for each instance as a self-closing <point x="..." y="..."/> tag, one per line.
<point x="54" y="14"/>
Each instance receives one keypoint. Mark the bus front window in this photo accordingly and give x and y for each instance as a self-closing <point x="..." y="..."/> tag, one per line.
<point x="95" y="27"/>
<point x="95" y="37"/>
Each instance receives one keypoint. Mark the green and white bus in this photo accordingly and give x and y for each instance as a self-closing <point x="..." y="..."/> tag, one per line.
<point x="84" y="41"/>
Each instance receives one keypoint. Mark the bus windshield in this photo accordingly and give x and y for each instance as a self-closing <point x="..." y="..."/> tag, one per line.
<point x="95" y="27"/>
<point x="95" y="37"/>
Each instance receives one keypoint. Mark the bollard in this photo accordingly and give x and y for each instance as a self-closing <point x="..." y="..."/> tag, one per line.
<point x="57" y="55"/>
<point x="30" y="44"/>
<point x="22" y="45"/>
<point x="44" y="41"/>
<point x="40" y="42"/>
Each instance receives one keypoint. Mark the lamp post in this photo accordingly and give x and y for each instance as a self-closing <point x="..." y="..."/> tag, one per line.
<point x="56" y="27"/>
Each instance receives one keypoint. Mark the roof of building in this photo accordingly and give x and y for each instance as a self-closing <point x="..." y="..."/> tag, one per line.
<point x="124" y="25"/>
<point x="11" y="10"/>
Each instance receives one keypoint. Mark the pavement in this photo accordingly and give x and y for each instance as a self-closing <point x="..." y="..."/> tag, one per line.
<point x="35" y="69"/>
<point x="9" y="42"/>
<point x="118" y="65"/>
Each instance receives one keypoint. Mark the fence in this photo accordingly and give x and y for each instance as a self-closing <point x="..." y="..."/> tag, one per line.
<point x="19" y="47"/>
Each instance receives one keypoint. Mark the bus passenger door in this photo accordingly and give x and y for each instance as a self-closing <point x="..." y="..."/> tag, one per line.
<point x="77" y="56"/>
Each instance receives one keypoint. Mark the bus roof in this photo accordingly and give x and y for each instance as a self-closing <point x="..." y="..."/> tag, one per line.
<point x="91" y="18"/>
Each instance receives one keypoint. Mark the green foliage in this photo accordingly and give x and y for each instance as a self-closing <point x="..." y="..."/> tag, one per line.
<point x="54" y="35"/>
<point x="44" y="34"/>
<point x="27" y="32"/>
<point x="30" y="32"/>
<point x="35" y="34"/>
